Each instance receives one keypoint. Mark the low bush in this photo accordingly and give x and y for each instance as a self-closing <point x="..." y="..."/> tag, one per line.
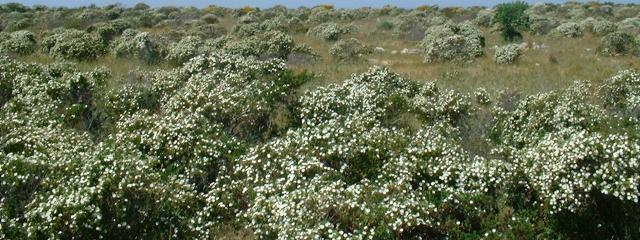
<point x="569" y="29"/>
<point x="187" y="48"/>
<point x="618" y="43"/>
<point x="452" y="42"/>
<point x="349" y="49"/>
<point x="328" y="31"/>
<point x="19" y="42"/>
<point x="507" y="54"/>
<point x="139" y="45"/>
<point x="70" y="44"/>
<point x="630" y="25"/>
<point x="603" y="27"/>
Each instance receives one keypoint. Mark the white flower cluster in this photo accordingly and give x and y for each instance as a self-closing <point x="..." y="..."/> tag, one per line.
<point x="18" y="42"/>
<point x="452" y="42"/>
<point x="551" y="141"/>
<point x="507" y="54"/>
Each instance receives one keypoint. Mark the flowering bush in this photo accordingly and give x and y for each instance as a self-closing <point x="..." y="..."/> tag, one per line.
<point x="349" y="49"/>
<point x="621" y="94"/>
<point x="187" y="48"/>
<point x="272" y="44"/>
<point x="133" y="44"/>
<point x="73" y="45"/>
<point x="603" y="27"/>
<point x="328" y="31"/>
<point x="630" y="25"/>
<point x="452" y="42"/>
<point x="229" y="139"/>
<point x="19" y="42"/>
<point x="507" y="54"/>
<point x="569" y="29"/>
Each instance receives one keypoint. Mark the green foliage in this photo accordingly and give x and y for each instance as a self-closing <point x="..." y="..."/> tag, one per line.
<point x="512" y="19"/>
<point x="619" y="43"/>
<point x="349" y="49"/>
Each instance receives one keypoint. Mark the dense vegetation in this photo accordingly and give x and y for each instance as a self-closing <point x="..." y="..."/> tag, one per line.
<point x="181" y="123"/>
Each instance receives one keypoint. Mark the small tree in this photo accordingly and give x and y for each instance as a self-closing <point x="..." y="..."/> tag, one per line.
<point x="512" y="19"/>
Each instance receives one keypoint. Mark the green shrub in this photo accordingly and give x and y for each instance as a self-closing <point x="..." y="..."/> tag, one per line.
<point x="349" y="49"/>
<point x="187" y="48"/>
<point x="133" y="44"/>
<point x="618" y="43"/>
<point x="512" y="19"/>
<point x="73" y="44"/>
<point x="19" y="42"/>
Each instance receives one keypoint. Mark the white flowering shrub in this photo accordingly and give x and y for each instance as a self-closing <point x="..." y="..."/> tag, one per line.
<point x="555" y="147"/>
<point x="129" y="99"/>
<point x="329" y="31"/>
<point x="452" y="42"/>
<point x="19" y="42"/>
<point x="133" y="44"/>
<point x="238" y="91"/>
<point x="185" y="142"/>
<point x="349" y="49"/>
<point x="187" y="48"/>
<point x="603" y="27"/>
<point x="630" y="25"/>
<point x="618" y="43"/>
<point x="621" y="93"/>
<point x="347" y="174"/>
<point x="507" y="54"/>
<point x="225" y="138"/>
<point x="73" y="45"/>
<point x="569" y="29"/>
<point x="267" y="45"/>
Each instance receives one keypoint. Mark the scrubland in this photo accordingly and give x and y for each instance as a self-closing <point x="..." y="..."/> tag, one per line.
<point x="319" y="123"/>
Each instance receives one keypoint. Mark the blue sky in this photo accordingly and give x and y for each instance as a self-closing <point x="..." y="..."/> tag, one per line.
<point x="289" y="3"/>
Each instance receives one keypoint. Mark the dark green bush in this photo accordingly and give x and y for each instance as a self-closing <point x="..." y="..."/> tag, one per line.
<point x="512" y="19"/>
